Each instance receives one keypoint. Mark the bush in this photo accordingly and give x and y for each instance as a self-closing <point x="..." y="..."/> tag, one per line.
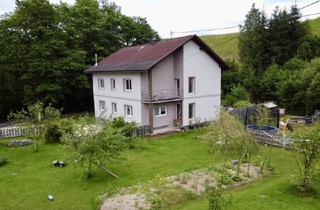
<point x="3" y="161"/>
<point x="242" y="104"/>
<point x="126" y="128"/>
<point x="216" y="200"/>
<point x="238" y="93"/>
<point x="55" y="129"/>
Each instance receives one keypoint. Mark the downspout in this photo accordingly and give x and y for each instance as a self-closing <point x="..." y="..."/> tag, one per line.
<point x="150" y="100"/>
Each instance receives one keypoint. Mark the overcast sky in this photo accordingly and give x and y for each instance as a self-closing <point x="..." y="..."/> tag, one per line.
<point x="185" y="15"/>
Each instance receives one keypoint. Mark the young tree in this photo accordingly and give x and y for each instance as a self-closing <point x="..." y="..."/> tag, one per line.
<point x="307" y="145"/>
<point x="95" y="145"/>
<point x="34" y="120"/>
<point x="228" y="136"/>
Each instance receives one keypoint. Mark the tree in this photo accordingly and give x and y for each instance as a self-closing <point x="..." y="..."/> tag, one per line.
<point x="285" y="34"/>
<point x="34" y="120"/>
<point x="307" y="144"/>
<point x="253" y="48"/>
<point x="299" y="92"/>
<point x="238" y="93"/>
<point x="45" y="48"/>
<point x="231" y="77"/>
<point x="94" y="144"/>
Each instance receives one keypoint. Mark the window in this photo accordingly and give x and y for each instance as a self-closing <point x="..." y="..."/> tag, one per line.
<point x="113" y="84"/>
<point x="191" y="110"/>
<point x="191" y="88"/>
<point x="114" y="108"/>
<point x="102" y="105"/>
<point x="128" y="112"/>
<point x="127" y="84"/>
<point x="100" y="83"/>
<point x="160" y="111"/>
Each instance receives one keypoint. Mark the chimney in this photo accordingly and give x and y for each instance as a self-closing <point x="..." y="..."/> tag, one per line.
<point x="96" y="57"/>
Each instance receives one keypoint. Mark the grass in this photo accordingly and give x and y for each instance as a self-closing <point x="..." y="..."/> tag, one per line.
<point x="315" y="26"/>
<point x="276" y="192"/>
<point x="27" y="179"/>
<point x="226" y="45"/>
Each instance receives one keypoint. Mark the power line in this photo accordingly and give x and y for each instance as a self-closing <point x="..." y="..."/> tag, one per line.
<point x="204" y="30"/>
<point x="231" y="27"/>
<point x="308" y="5"/>
<point x="318" y="13"/>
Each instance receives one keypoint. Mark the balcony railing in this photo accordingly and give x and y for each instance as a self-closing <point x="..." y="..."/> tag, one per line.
<point x="160" y="95"/>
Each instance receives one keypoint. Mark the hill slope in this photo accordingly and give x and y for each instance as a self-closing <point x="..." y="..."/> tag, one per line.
<point x="226" y="45"/>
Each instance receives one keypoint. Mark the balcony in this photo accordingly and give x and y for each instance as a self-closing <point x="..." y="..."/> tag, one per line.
<point x="159" y="96"/>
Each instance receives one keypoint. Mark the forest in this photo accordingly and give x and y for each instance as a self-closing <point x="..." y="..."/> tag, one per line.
<point x="45" y="48"/>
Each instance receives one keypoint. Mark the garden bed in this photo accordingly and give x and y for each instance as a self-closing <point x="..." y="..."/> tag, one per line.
<point x="172" y="190"/>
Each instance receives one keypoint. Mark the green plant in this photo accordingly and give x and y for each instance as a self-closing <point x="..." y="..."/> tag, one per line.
<point x="55" y="128"/>
<point x="94" y="144"/>
<point x="242" y="104"/>
<point x="307" y="144"/>
<point x="237" y="93"/>
<point x="215" y="198"/>
<point x="228" y="136"/>
<point x="126" y="128"/>
<point x="225" y="179"/>
<point x="157" y="202"/>
<point x="35" y="119"/>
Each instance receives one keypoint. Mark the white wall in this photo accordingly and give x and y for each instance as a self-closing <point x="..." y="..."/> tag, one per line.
<point x="207" y="73"/>
<point x="118" y="96"/>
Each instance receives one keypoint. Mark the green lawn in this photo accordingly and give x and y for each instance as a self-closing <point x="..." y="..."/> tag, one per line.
<point x="27" y="179"/>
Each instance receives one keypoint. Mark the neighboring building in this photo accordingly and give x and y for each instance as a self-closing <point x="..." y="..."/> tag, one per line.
<point x="165" y="84"/>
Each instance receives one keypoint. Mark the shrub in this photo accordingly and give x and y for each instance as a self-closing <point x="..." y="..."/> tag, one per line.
<point x="238" y="93"/>
<point x="53" y="133"/>
<point x="55" y="129"/>
<point x="242" y="104"/>
<point x="126" y="128"/>
<point x="3" y="161"/>
<point x="307" y="144"/>
<point x="216" y="200"/>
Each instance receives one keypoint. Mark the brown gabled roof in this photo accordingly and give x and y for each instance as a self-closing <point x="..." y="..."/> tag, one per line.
<point x="145" y="57"/>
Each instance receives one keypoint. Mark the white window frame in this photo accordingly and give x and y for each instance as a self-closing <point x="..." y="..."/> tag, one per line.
<point x="101" y="85"/>
<point x="158" y="111"/>
<point x="193" y="85"/>
<point x="102" y="105"/>
<point x="114" y="108"/>
<point x="126" y="108"/>
<point x="193" y="110"/>
<point x="125" y="85"/>
<point x="113" y="82"/>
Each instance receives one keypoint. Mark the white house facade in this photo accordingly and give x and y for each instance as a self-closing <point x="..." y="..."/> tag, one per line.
<point x="167" y="84"/>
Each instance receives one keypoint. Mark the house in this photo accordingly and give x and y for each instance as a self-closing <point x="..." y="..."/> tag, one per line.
<point x="165" y="84"/>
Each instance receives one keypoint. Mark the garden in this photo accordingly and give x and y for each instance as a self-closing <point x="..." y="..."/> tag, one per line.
<point x="108" y="168"/>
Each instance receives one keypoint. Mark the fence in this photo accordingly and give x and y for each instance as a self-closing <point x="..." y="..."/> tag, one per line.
<point x="142" y="131"/>
<point x="272" y="139"/>
<point x="15" y="131"/>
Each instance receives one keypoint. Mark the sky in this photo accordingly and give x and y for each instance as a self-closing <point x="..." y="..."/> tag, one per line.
<point x="187" y="15"/>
